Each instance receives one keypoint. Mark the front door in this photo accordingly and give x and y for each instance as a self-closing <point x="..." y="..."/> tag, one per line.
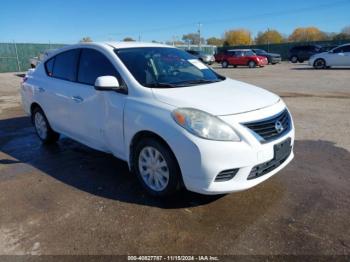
<point x="92" y="109"/>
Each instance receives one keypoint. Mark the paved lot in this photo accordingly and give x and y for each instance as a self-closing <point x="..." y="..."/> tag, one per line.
<point x="68" y="199"/>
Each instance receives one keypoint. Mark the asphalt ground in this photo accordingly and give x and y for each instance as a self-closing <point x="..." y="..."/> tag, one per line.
<point x="69" y="199"/>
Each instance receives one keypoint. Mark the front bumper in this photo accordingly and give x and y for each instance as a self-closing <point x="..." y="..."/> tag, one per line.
<point x="275" y="60"/>
<point x="205" y="159"/>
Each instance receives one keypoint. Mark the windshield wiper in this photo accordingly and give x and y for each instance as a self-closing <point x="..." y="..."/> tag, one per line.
<point x="160" y="85"/>
<point x="197" y="81"/>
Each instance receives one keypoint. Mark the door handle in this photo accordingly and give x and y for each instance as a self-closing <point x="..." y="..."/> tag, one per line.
<point x="41" y="90"/>
<point x="77" y="99"/>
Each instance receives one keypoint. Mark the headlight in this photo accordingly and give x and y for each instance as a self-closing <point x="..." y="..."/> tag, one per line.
<point x="204" y="125"/>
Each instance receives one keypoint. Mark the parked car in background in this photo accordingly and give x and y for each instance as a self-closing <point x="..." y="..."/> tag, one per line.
<point x="272" y="58"/>
<point x="219" y="56"/>
<point x="339" y="56"/>
<point x="303" y="53"/>
<point x="37" y="59"/>
<point x="205" y="58"/>
<point x="242" y="57"/>
<point x="175" y="121"/>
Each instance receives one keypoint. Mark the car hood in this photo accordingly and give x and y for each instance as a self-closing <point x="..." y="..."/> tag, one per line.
<point x="227" y="97"/>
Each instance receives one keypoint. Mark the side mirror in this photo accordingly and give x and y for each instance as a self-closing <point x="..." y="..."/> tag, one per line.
<point x="107" y="83"/>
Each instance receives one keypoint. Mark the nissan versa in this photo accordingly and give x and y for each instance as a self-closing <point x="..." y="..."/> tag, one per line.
<point x="176" y="122"/>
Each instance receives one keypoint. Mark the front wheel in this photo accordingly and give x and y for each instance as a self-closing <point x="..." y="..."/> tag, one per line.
<point x="43" y="128"/>
<point x="156" y="167"/>
<point x="294" y="59"/>
<point x="252" y="64"/>
<point x="320" y="64"/>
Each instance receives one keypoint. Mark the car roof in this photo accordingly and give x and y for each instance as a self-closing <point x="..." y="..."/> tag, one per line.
<point x="239" y="50"/>
<point x="119" y="45"/>
<point x="114" y="45"/>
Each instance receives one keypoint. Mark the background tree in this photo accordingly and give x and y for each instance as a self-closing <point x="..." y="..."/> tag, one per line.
<point x="86" y="39"/>
<point x="192" y="38"/>
<point x="215" y="41"/>
<point x="306" y="34"/>
<point x="237" y="37"/>
<point x="128" y="39"/>
<point x="344" y="35"/>
<point x="269" y="36"/>
<point x="346" y="30"/>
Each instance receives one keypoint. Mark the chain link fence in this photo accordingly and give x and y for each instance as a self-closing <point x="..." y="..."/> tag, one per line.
<point x="14" y="57"/>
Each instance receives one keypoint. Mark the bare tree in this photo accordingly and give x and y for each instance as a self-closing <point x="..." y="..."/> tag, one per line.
<point x="86" y="39"/>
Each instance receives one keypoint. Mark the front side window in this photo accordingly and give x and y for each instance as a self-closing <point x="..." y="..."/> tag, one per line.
<point x="165" y="67"/>
<point x="346" y="49"/>
<point x="92" y="65"/>
<point x="65" y="65"/>
<point x="338" y="50"/>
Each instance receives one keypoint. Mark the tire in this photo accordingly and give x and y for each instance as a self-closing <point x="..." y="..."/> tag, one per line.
<point x="235" y="66"/>
<point x="251" y="64"/>
<point x="320" y="64"/>
<point x="43" y="128"/>
<point x="294" y="59"/>
<point x="156" y="167"/>
<point x="224" y="64"/>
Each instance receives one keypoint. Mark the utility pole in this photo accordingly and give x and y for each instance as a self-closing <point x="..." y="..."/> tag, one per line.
<point x="268" y="39"/>
<point x="199" y="35"/>
<point x="139" y="37"/>
<point x="18" y="64"/>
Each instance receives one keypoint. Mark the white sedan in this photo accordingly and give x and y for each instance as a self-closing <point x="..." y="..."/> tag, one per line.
<point x="339" y="56"/>
<point x="176" y="122"/>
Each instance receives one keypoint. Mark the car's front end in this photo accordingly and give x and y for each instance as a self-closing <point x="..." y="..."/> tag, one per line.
<point x="274" y="58"/>
<point x="207" y="59"/>
<point x="225" y="135"/>
<point x="265" y="146"/>
<point x="261" y="61"/>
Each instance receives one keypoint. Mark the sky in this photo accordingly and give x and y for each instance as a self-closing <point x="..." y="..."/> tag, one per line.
<point x="43" y="21"/>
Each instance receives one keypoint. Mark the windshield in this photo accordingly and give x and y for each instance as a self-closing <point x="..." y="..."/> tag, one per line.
<point x="165" y="67"/>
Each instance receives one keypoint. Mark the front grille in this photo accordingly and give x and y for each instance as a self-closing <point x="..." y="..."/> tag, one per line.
<point x="271" y="128"/>
<point x="267" y="167"/>
<point x="226" y="175"/>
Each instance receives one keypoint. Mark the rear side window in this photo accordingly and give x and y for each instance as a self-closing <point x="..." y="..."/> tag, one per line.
<point x="65" y="65"/>
<point x="49" y="66"/>
<point x="92" y="65"/>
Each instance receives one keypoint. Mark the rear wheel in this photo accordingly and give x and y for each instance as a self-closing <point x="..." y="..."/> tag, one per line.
<point x="43" y="128"/>
<point x="251" y="64"/>
<point x="156" y="167"/>
<point x="320" y="64"/>
<point x="224" y="64"/>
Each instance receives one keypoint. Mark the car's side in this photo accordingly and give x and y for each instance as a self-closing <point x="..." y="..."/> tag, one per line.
<point x="339" y="56"/>
<point x="243" y="58"/>
<point x="66" y="102"/>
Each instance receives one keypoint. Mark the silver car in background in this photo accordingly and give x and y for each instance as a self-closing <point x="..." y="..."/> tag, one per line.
<point x="205" y="58"/>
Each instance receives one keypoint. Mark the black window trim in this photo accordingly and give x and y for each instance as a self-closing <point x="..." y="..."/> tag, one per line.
<point x="123" y="85"/>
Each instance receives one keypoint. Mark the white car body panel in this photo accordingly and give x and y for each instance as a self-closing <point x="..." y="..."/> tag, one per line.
<point x="109" y="121"/>
<point x="333" y="59"/>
